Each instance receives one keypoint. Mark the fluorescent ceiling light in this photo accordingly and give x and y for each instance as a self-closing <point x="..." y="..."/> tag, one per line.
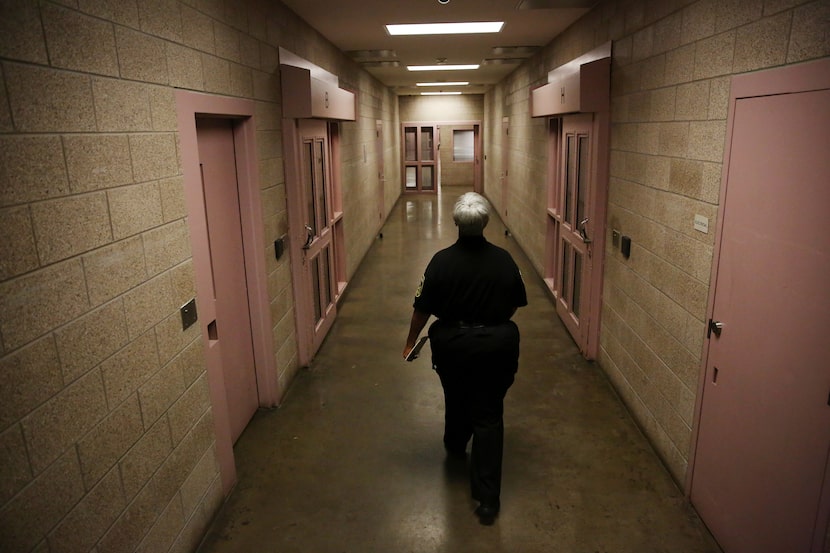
<point x="440" y="93"/>
<point x="444" y="67"/>
<point x="453" y="83"/>
<point x="445" y="28"/>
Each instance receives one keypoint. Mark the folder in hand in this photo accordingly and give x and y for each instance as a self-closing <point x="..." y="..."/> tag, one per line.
<point x="413" y="353"/>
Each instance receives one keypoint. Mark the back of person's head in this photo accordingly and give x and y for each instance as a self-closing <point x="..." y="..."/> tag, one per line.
<point x="471" y="214"/>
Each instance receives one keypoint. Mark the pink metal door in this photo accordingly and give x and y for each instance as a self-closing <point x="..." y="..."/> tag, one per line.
<point x="573" y="262"/>
<point x="320" y="281"/>
<point x="761" y="462"/>
<point x="504" y="179"/>
<point x="381" y="172"/>
<point x="230" y="336"/>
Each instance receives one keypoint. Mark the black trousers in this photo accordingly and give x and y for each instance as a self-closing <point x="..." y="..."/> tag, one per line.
<point x="476" y="365"/>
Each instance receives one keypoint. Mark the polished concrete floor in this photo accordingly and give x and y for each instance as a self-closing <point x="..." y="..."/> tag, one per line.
<point x="353" y="462"/>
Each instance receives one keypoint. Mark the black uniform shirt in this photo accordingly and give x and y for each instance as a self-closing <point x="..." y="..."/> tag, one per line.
<point x="472" y="281"/>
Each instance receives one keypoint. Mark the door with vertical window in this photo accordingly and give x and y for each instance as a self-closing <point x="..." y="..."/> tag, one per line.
<point x="420" y="147"/>
<point x="569" y="245"/>
<point x="319" y="280"/>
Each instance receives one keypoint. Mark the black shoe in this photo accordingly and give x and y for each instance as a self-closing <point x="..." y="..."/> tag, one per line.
<point x="487" y="513"/>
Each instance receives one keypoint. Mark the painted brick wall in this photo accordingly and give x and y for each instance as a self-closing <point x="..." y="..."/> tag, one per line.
<point x="671" y="66"/>
<point x="106" y="430"/>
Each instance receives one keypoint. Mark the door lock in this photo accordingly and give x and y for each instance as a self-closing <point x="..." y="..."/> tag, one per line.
<point x="716" y="327"/>
<point x="309" y="237"/>
<point x="582" y="232"/>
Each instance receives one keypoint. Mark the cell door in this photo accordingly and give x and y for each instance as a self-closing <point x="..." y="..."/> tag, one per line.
<point x="760" y="478"/>
<point x="381" y="172"/>
<point x="229" y="335"/>
<point x="504" y="177"/>
<point x="568" y="225"/>
<point x="420" y="147"/>
<point x="319" y="280"/>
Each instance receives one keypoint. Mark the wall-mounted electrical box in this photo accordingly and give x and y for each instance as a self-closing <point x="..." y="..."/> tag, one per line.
<point x="279" y="247"/>
<point x="625" y="246"/>
<point x="189" y="315"/>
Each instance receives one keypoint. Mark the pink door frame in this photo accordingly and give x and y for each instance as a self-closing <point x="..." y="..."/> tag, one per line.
<point x="478" y="147"/>
<point x="381" y="172"/>
<point x="596" y="226"/>
<point x="785" y="80"/>
<point x="189" y="105"/>
<point x="505" y="169"/>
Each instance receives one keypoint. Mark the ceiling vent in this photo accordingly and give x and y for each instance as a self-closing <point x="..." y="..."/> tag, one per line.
<point x="555" y="4"/>
<point x="514" y="51"/>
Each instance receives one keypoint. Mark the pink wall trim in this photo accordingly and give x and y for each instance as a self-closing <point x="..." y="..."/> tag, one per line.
<point x="600" y="174"/>
<point x="189" y="105"/>
<point x="302" y="315"/>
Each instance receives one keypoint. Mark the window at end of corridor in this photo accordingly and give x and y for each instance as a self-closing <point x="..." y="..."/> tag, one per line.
<point x="462" y="145"/>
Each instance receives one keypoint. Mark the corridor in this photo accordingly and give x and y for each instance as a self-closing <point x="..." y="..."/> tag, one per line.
<point x="353" y="460"/>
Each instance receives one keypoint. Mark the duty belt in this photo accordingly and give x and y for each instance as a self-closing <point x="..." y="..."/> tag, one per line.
<point x="467" y="324"/>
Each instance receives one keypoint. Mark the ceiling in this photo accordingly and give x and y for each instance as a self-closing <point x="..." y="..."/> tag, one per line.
<point x="357" y="28"/>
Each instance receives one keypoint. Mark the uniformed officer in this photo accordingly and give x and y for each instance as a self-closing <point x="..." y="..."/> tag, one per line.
<point x="473" y="288"/>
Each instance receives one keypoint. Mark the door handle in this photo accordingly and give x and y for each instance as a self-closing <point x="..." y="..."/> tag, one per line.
<point x="309" y="237"/>
<point x="582" y="231"/>
<point x="715" y="327"/>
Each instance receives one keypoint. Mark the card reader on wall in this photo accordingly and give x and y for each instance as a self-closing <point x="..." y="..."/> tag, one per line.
<point x="279" y="246"/>
<point x="625" y="246"/>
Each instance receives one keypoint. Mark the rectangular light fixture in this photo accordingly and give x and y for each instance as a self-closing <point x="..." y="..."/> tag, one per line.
<point x="440" y="93"/>
<point x="451" y="83"/>
<point x="444" y="67"/>
<point x="408" y="29"/>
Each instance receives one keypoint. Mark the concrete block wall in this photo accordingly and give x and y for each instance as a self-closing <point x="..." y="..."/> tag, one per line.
<point x="106" y="429"/>
<point x="671" y="66"/>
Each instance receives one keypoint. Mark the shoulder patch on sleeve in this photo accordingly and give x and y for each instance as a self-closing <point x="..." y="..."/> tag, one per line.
<point x="420" y="287"/>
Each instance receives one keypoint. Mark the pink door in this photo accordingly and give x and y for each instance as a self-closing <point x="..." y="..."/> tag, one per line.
<point x="230" y="336"/>
<point x="381" y="172"/>
<point x="761" y="462"/>
<point x="505" y="160"/>
<point x="573" y="260"/>
<point x="319" y="280"/>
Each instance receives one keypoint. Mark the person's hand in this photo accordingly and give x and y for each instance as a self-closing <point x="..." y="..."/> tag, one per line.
<point x="406" y="349"/>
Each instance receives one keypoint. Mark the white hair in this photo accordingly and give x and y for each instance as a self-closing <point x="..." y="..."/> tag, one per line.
<point x="471" y="214"/>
